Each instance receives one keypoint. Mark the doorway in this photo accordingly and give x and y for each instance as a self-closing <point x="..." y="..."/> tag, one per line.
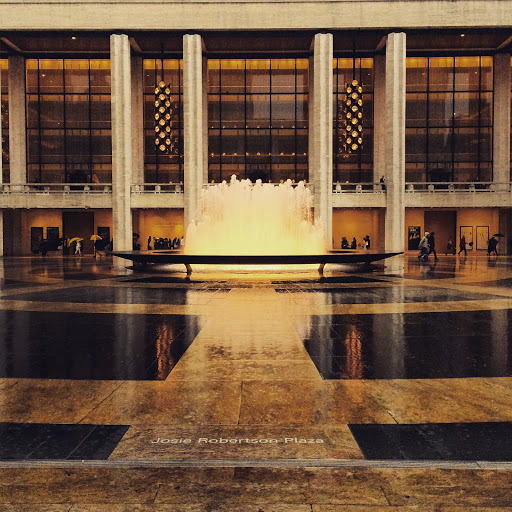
<point x="79" y="224"/>
<point x="444" y="224"/>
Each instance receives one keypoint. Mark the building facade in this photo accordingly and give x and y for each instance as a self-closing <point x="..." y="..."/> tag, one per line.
<point x="255" y="89"/>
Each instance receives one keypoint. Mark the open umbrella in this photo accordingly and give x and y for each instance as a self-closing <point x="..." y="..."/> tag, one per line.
<point x="76" y="239"/>
<point x="498" y="234"/>
<point x="95" y="237"/>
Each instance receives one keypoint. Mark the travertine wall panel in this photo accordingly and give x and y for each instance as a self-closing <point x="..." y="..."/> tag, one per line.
<point x="252" y="15"/>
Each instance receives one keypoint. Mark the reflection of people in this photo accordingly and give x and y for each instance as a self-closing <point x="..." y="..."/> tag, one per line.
<point x="344" y="243"/>
<point x="492" y="246"/>
<point x="353" y="245"/>
<point x="462" y="245"/>
<point x="149" y="243"/>
<point x="366" y="242"/>
<point x="423" y="247"/>
<point x="432" y="245"/>
<point x="382" y="183"/>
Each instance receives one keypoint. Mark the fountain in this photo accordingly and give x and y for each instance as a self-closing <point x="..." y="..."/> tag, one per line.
<point x="243" y="218"/>
<point x="242" y="223"/>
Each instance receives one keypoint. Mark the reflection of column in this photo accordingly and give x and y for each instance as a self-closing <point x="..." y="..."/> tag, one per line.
<point x="195" y="133"/>
<point x="379" y="117"/>
<point x="129" y="341"/>
<point x="395" y="144"/>
<point x="137" y="121"/>
<point x="121" y="141"/>
<point x="321" y="129"/>
<point x="388" y="343"/>
<point x="499" y="342"/>
<point x="17" y="123"/>
<point x="501" y="123"/>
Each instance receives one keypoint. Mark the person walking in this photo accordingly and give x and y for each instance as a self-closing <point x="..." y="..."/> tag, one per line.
<point x="462" y="245"/>
<point x="423" y="247"/>
<point x="492" y="246"/>
<point x="78" y="248"/>
<point x="432" y="245"/>
<point x="43" y="247"/>
<point x="450" y="248"/>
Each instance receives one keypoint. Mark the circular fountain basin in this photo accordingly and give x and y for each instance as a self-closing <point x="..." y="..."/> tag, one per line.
<point x="143" y="258"/>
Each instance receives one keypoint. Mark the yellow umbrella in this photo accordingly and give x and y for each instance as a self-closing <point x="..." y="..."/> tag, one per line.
<point x="95" y="237"/>
<point x="76" y="239"/>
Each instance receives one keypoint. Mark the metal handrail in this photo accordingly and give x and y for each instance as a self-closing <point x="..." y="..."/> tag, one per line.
<point x="55" y="188"/>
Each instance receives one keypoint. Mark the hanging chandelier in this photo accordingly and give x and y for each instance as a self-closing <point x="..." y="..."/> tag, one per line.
<point x="350" y="118"/>
<point x="165" y="111"/>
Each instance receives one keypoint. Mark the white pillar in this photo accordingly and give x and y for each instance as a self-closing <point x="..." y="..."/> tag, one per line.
<point x="321" y="129"/>
<point x="379" y="117"/>
<point x="17" y="122"/>
<point x="195" y="132"/>
<point x="121" y="141"/>
<point x="395" y="143"/>
<point x="501" y="124"/>
<point x="1" y="233"/>
<point x="137" y="121"/>
<point x="1" y="154"/>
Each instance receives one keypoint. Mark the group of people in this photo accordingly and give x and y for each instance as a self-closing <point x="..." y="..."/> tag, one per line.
<point x="354" y="245"/>
<point x="165" y="243"/>
<point x="427" y="246"/>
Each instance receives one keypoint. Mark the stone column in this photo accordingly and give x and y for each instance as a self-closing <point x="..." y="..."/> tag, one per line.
<point x="501" y="135"/>
<point x="121" y="141"/>
<point x="1" y="233"/>
<point x="321" y="130"/>
<point x="379" y="117"/>
<point x="1" y="154"/>
<point x="137" y="121"/>
<point x="1" y="163"/>
<point x="394" y="153"/>
<point x="17" y="121"/>
<point x="195" y="128"/>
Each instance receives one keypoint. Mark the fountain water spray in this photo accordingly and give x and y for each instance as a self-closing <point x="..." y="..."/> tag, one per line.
<point x="242" y="218"/>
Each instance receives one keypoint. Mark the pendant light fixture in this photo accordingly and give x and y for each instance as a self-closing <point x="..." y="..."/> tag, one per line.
<point x="165" y="112"/>
<point x="350" y="114"/>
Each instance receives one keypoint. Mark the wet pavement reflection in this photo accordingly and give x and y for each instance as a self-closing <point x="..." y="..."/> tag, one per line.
<point x="410" y="345"/>
<point x="111" y="342"/>
<point x="93" y="346"/>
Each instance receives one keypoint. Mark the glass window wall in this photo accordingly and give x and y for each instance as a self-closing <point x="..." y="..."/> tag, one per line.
<point x="163" y="167"/>
<point x="258" y="119"/>
<point x="358" y="166"/>
<point x="449" y="119"/>
<point x="68" y="121"/>
<point x="4" y="109"/>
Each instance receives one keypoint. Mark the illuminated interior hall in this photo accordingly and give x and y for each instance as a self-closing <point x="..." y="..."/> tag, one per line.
<point x="259" y="95"/>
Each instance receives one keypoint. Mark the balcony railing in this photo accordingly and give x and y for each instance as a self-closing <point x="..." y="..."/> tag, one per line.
<point x="358" y="188"/>
<point x="461" y="186"/>
<point x="158" y="188"/>
<point x="55" y="188"/>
